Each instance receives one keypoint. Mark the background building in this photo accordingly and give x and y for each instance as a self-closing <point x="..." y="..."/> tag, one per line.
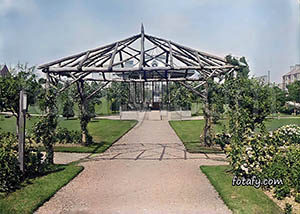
<point x="291" y="76"/>
<point x="4" y="72"/>
<point x="263" y="79"/>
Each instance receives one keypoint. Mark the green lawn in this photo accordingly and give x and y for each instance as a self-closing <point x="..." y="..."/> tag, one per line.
<point x="273" y="124"/>
<point x="36" y="191"/>
<point x="240" y="199"/>
<point x="190" y="130"/>
<point x="104" y="108"/>
<point x="9" y="124"/>
<point x="105" y="132"/>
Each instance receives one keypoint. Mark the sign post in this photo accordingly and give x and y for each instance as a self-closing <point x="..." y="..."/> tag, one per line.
<point x="22" y="119"/>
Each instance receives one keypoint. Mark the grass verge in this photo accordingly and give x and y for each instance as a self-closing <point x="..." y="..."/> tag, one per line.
<point x="240" y="199"/>
<point x="189" y="133"/>
<point x="38" y="190"/>
<point x="105" y="133"/>
<point x="196" y="147"/>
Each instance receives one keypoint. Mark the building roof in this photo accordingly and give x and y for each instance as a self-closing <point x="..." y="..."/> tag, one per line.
<point x="4" y="71"/>
<point x="293" y="70"/>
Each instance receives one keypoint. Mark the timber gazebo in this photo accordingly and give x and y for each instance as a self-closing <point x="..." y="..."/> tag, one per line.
<point x="177" y="63"/>
<point x="140" y="59"/>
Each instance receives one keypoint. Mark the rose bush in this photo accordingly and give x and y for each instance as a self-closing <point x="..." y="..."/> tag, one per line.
<point x="286" y="135"/>
<point x="267" y="155"/>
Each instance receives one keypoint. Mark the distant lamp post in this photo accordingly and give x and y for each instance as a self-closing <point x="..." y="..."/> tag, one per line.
<point x="22" y="120"/>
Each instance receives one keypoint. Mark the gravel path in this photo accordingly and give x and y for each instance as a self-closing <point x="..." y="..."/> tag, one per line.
<point x="146" y="171"/>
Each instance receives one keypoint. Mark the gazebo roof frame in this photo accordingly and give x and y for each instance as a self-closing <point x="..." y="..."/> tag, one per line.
<point x="103" y="60"/>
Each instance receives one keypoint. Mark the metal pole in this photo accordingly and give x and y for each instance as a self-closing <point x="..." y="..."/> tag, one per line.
<point x="21" y="136"/>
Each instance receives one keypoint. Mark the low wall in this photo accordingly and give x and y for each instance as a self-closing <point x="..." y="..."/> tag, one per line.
<point x="179" y="115"/>
<point x="132" y="115"/>
<point x="156" y="115"/>
<point x="129" y="115"/>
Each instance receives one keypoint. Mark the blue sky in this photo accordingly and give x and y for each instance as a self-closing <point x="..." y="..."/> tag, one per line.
<point x="266" y="32"/>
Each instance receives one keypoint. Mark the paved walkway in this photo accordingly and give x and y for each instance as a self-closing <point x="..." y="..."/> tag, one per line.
<point x="146" y="171"/>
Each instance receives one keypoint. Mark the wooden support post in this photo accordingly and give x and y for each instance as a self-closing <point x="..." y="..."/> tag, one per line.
<point x="83" y="110"/>
<point x="135" y="93"/>
<point x="207" y="135"/>
<point x="152" y="93"/>
<point x="142" y="54"/>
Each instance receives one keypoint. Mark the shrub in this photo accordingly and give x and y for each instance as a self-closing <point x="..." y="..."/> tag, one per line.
<point x="222" y="139"/>
<point x="68" y="109"/>
<point x="288" y="209"/>
<point x="10" y="174"/>
<point x="66" y="136"/>
<point x="286" y="166"/>
<point x="297" y="197"/>
<point x="286" y="135"/>
<point x="258" y="154"/>
<point x="33" y="162"/>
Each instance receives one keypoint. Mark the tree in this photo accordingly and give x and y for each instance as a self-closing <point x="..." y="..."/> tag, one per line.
<point x="179" y="95"/>
<point x="68" y="108"/>
<point x="294" y="91"/>
<point x="118" y="92"/>
<point x="280" y="98"/>
<point x="249" y="103"/>
<point x="22" y="77"/>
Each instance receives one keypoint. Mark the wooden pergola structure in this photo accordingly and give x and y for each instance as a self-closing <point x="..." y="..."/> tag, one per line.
<point x="138" y="59"/>
<point x="179" y="63"/>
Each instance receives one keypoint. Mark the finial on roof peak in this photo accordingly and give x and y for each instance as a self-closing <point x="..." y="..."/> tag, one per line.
<point x="142" y="28"/>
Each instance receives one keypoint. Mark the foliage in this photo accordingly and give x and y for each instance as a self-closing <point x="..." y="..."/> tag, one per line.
<point x="222" y="139"/>
<point x="22" y="77"/>
<point x="289" y="134"/>
<point x="254" y="154"/>
<point x="248" y="105"/>
<point x="10" y="174"/>
<point x="260" y="155"/>
<point x="288" y="209"/>
<point x="118" y="92"/>
<point x="180" y="96"/>
<point x="68" y="106"/>
<point x="38" y="190"/>
<point x="87" y="107"/>
<point x="251" y="149"/>
<point x="286" y="165"/>
<point x="280" y="98"/>
<point x="85" y="118"/>
<point x="65" y="135"/>
<point x="44" y="129"/>
<point x="216" y="100"/>
<point x="294" y="91"/>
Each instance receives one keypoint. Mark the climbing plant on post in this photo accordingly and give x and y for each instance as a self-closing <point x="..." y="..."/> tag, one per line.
<point x="44" y="129"/>
<point x="84" y="117"/>
<point x="207" y="130"/>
